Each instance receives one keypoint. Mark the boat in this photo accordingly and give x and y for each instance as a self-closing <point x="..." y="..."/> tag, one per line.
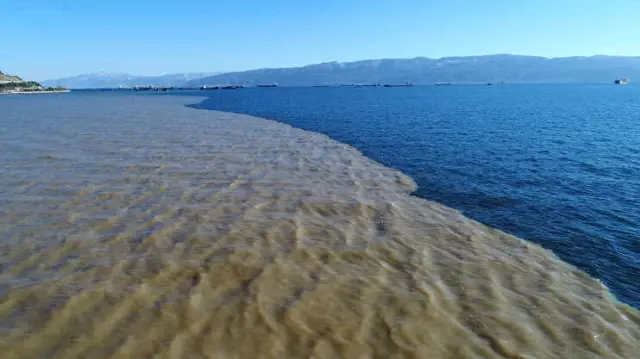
<point x="408" y="84"/>
<point x="163" y="88"/>
<point x="232" y="87"/>
<point x="142" y="88"/>
<point x="361" y="85"/>
<point x="205" y="87"/>
<point x="443" y="83"/>
<point x="275" y="84"/>
<point x="621" y="81"/>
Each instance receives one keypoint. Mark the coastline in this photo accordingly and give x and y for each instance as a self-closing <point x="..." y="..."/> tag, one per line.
<point x="287" y="244"/>
<point x="33" y="92"/>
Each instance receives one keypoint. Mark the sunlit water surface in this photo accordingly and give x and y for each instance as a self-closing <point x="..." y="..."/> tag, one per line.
<point x="137" y="227"/>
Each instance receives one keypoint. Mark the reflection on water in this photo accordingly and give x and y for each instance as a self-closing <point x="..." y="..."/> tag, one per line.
<point x="135" y="227"/>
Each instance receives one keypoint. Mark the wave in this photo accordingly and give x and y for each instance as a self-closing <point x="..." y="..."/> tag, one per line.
<point x="259" y="240"/>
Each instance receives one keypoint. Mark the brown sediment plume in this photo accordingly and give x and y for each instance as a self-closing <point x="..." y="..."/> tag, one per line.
<point x="182" y="233"/>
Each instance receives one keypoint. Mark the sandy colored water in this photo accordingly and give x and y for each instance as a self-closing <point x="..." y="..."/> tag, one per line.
<point x="135" y="227"/>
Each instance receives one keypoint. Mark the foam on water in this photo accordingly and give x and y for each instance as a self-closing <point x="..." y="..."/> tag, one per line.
<point x="135" y="227"/>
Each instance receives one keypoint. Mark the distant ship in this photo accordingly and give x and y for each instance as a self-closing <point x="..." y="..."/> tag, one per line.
<point x="408" y="84"/>
<point x="360" y="85"/>
<point x="232" y="87"/>
<point x="272" y="85"/>
<point x="621" y="81"/>
<point x="205" y="87"/>
<point x="443" y="83"/>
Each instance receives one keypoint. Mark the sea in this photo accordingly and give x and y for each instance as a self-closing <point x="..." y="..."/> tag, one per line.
<point x="555" y="164"/>
<point x="418" y="222"/>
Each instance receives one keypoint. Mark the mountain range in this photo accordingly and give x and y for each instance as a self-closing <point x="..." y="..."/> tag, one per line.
<point x="116" y="79"/>
<point x="427" y="71"/>
<point x="419" y="71"/>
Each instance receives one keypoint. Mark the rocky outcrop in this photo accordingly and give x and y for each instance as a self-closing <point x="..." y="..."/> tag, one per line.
<point x="4" y="78"/>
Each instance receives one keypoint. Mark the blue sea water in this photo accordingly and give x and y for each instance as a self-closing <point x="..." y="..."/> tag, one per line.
<point x="555" y="164"/>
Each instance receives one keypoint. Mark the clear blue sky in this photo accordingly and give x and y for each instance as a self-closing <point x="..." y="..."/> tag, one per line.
<point x="41" y="39"/>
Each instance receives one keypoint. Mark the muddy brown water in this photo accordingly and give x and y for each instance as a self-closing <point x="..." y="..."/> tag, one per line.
<point x="135" y="227"/>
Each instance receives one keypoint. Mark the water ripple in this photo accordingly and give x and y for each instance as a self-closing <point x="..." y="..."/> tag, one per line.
<point x="549" y="163"/>
<point x="212" y="235"/>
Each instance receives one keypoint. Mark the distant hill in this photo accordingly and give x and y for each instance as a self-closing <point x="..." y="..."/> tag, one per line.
<point x="422" y="70"/>
<point x="15" y="84"/>
<point x="114" y="80"/>
<point x="5" y="78"/>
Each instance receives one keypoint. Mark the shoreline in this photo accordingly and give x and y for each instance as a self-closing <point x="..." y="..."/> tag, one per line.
<point x="33" y="92"/>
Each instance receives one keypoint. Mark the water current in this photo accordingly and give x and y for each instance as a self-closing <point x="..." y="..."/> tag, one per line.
<point x="555" y="164"/>
<point x="137" y="227"/>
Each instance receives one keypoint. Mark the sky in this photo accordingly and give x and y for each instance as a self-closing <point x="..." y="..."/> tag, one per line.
<point x="45" y="39"/>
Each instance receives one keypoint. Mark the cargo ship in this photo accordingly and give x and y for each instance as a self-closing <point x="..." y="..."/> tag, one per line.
<point x="272" y="85"/>
<point x="408" y="84"/>
<point x="232" y="87"/>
